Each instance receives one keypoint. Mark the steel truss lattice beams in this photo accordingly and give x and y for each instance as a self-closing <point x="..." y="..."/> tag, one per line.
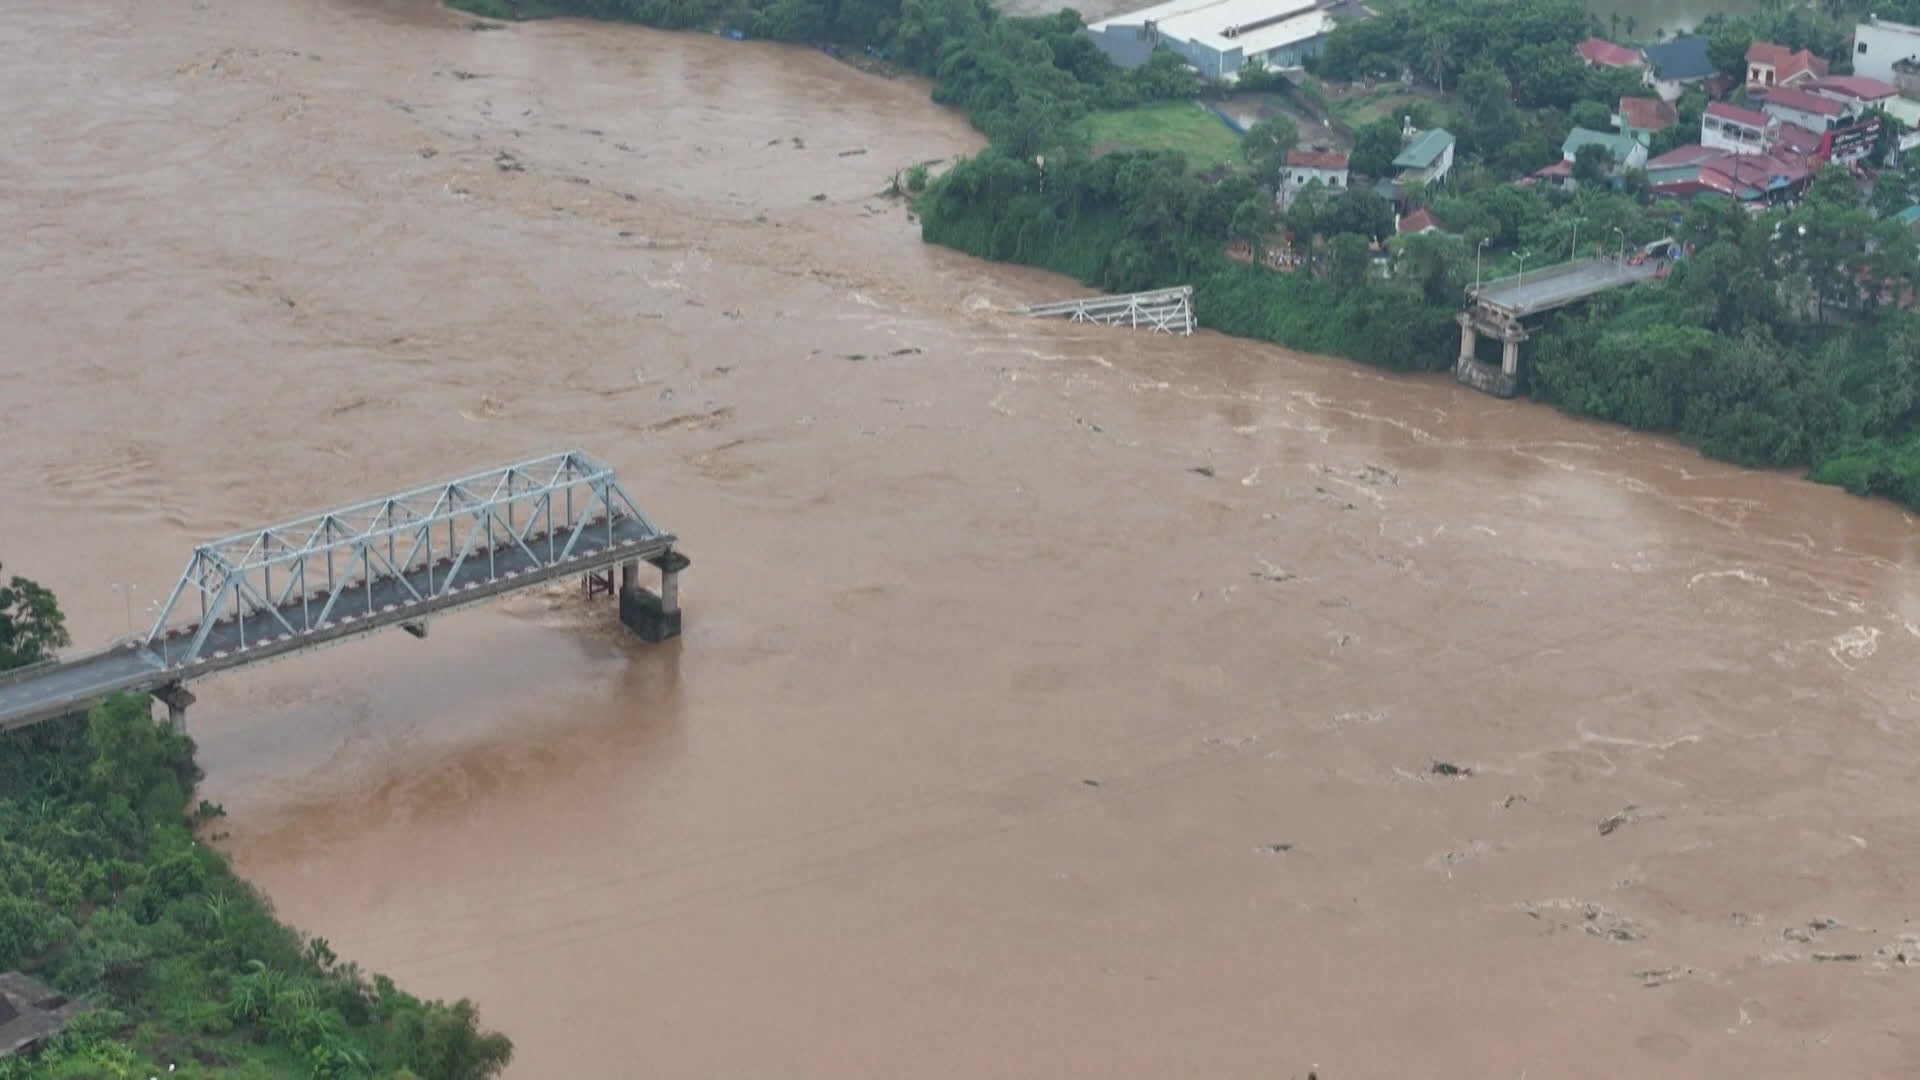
<point x="1162" y="311"/>
<point x="299" y="577"/>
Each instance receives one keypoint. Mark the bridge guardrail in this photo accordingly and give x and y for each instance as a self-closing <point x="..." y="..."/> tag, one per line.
<point x="41" y="667"/>
<point x="19" y="674"/>
<point x="1537" y="274"/>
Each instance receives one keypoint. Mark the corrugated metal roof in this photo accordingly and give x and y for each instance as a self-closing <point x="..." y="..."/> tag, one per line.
<point x="1618" y="145"/>
<point x="1723" y="111"/>
<point x="1317" y="159"/>
<point x="1424" y="150"/>
<point x="1858" y="87"/>
<point x="1607" y="54"/>
<point x="1680" y="59"/>
<point x="1126" y="46"/>
<point x="1648" y="114"/>
<point x="1787" y="97"/>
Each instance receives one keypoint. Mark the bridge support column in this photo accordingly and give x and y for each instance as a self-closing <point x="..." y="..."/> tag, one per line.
<point x="176" y="698"/>
<point x="1502" y="381"/>
<point x="654" y="616"/>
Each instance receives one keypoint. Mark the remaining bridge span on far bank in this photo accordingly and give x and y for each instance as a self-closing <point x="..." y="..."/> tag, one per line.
<point x="386" y="562"/>
<point x="1523" y="295"/>
<point x="1496" y="308"/>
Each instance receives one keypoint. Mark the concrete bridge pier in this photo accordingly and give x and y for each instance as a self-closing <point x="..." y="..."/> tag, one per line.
<point x="654" y="616"/>
<point x="176" y="698"/>
<point x="1503" y="381"/>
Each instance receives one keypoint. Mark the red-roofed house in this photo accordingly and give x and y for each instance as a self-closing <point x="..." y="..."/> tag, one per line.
<point x="1750" y="177"/>
<point x="1770" y="65"/>
<point x="1681" y="157"/>
<point x="1734" y="129"/>
<point x="1420" y="221"/>
<point x="1857" y="92"/>
<point x="1305" y="166"/>
<point x="1794" y="139"/>
<point x="1640" y="117"/>
<point x="1811" y="111"/>
<point x="1754" y="176"/>
<point x="1597" y="53"/>
<point x="1559" y="174"/>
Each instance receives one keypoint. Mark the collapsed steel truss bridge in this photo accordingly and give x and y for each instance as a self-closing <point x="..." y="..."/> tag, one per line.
<point x="1163" y="311"/>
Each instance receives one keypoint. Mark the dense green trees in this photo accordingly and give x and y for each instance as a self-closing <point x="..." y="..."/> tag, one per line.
<point x="105" y="893"/>
<point x="1266" y="145"/>
<point x="31" y="626"/>
<point x="1777" y="343"/>
<point x="1592" y="164"/>
<point x="1375" y="146"/>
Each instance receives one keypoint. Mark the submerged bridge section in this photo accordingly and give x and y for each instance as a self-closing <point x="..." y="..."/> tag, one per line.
<point x="386" y="562"/>
<point x="1496" y="308"/>
<point x="1163" y="311"/>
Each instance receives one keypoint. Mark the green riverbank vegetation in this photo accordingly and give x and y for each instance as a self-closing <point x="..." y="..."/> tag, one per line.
<point x="106" y="894"/>
<point x="1784" y="339"/>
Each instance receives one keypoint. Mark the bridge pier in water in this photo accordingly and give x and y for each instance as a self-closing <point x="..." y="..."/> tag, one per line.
<point x="1503" y="381"/>
<point x="653" y="616"/>
<point x="176" y="698"/>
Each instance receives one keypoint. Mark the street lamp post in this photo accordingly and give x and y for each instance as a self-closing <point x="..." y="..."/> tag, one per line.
<point x="1523" y="266"/>
<point x="1573" y="241"/>
<point x="126" y="592"/>
<point x="1476" y="263"/>
<point x="1622" y="256"/>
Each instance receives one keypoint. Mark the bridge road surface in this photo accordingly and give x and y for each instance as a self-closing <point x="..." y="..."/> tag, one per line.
<point x="41" y="692"/>
<point x="1556" y="286"/>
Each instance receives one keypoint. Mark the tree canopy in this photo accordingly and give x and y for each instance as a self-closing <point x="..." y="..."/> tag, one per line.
<point x="105" y="894"/>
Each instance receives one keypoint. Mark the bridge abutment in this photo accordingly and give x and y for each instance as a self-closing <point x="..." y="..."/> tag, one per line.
<point x="1502" y="381"/>
<point x="653" y="616"/>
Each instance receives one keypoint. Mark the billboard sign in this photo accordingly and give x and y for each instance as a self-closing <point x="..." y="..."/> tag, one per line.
<point x="1844" y="146"/>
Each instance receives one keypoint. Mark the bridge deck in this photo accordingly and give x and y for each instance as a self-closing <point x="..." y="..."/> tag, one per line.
<point x="1558" y="286"/>
<point x="39" y="693"/>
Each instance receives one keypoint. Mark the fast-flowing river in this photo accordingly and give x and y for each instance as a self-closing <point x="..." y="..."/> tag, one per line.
<point x="1055" y="701"/>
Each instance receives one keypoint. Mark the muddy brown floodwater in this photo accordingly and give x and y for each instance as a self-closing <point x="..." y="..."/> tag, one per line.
<point x="1054" y="701"/>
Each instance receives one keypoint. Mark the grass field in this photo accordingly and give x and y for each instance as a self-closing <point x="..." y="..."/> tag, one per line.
<point x="1182" y="126"/>
<point x="1363" y="109"/>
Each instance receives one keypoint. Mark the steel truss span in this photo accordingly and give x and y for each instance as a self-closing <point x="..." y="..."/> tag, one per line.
<point x="385" y="562"/>
<point x="1162" y="311"/>
<point x="433" y="542"/>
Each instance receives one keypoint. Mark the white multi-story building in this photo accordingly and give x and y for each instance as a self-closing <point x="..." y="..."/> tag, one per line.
<point x="1879" y="44"/>
<point x="1792" y="105"/>
<point x="1734" y="129"/>
<point x="1305" y="166"/>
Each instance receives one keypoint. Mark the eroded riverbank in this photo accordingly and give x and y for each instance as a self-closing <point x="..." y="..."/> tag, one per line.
<point x="1001" y="742"/>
